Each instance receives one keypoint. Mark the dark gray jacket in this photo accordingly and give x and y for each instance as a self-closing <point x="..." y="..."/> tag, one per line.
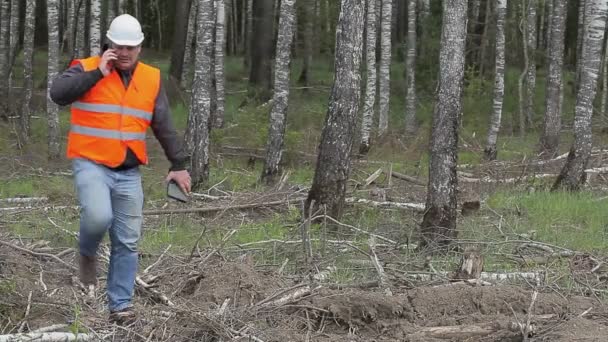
<point x="75" y="82"/>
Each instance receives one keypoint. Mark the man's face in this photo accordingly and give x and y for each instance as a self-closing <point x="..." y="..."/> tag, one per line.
<point x="126" y="56"/>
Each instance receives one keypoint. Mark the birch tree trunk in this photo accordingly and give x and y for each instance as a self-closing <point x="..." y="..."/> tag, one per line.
<point x="573" y="175"/>
<point x="371" y="82"/>
<point x="499" y="81"/>
<point x="411" y="126"/>
<point x="188" y="52"/>
<point x="28" y="59"/>
<point x="95" y="28"/>
<point x="438" y="226"/>
<point x="541" y="45"/>
<point x="220" y="19"/>
<point x="180" y="32"/>
<point x="197" y="132"/>
<point x="385" y="66"/>
<point x="278" y="113"/>
<point x="552" y="122"/>
<point x="580" y="37"/>
<point x="604" y="100"/>
<point x="80" y="50"/>
<point x="70" y="21"/>
<point x="14" y="37"/>
<point x="4" y="57"/>
<point x="308" y="21"/>
<point x="531" y="64"/>
<point x="333" y="161"/>
<point x="548" y="24"/>
<point x="52" y="110"/>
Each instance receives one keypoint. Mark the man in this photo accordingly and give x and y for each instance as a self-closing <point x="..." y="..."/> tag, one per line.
<point x="114" y="98"/>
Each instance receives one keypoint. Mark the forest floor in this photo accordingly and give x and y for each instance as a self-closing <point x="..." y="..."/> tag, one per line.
<point x="247" y="278"/>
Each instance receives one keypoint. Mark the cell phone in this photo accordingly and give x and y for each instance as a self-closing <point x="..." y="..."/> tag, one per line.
<point x="175" y="192"/>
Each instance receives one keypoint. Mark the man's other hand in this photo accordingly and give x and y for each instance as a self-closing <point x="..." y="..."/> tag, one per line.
<point x="182" y="178"/>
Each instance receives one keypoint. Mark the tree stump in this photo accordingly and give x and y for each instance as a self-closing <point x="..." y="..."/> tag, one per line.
<point x="471" y="265"/>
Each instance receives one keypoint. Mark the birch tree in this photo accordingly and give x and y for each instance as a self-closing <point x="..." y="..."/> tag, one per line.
<point x="531" y="42"/>
<point x="333" y="161"/>
<point x="604" y="100"/>
<point x="411" y="126"/>
<point x="28" y="59"/>
<point x="580" y="36"/>
<point x="220" y="18"/>
<point x="95" y="28"/>
<point x="385" y="66"/>
<point x="52" y="110"/>
<point x="190" y="37"/>
<point x="4" y="56"/>
<point x="552" y="121"/>
<point x="278" y="113"/>
<point x="197" y="132"/>
<point x="371" y="81"/>
<point x="438" y="226"/>
<point x="80" y="50"/>
<point x="573" y="175"/>
<point x="499" y="81"/>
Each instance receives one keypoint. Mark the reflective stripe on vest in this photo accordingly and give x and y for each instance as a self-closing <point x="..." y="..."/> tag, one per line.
<point x="107" y="133"/>
<point x="108" y="108"/>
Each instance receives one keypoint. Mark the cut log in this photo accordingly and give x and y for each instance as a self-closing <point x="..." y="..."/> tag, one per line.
<point x="406" y="178"/>
<point x="414" y="206"/>
<point x="466" y="332"/>
<point x="471" y="265"/>
<point x="46" y="337"/>
<point x="372" y="178"/>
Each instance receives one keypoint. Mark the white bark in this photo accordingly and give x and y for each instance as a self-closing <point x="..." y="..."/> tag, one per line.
<point x="197" y="133"/>
<point x="573" y="174"/>
<point x="219" y="63"/>
<point x="370" y="86"/>
<point x="280" y="103"/>
<point x="531" y="69"/>
<point x="385" y="66"/>
<point x="499" y="81"/>
<point x="52" y="109"/>
<point x="188" y="52"/>
<point x="95" y="28"/>
<point x="604" y="84"/>
<point x="46" y="337"/>
<point x="28" y="59"/>
<point x="411" y="126"/>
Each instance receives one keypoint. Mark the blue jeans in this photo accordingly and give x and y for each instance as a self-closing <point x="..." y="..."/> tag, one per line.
<point x="111" y="201"/>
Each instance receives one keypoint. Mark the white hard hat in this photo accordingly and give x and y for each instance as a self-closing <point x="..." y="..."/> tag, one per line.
<point x="125" y="30"/>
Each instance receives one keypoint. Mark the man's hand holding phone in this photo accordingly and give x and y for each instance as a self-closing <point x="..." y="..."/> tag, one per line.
<point x="107" y="62"/>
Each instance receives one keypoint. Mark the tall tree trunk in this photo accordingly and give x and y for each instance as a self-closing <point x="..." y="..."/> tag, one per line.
<point x="4" y="57"/>
<point x="28" y="59"/>
<point x="308" y="21"/>
<point x="531" y="34"/>
<point x="573" y="175"/>
<point x="80" y="47"/>
<point x="548" y="25"/>
<point x="580" y="37"/>
<point x="333" y="162"/>
<point x="122" y="6"/>
<point x="438" y="226"/>
<point x="278" y="114"/>
<point x="604" y="100"/>
<point x="261" y="51"/>
<point x="499" y="81"/>
<point x="552" y="123"/>
<point x="110" y="14"/>
<point x="137" y="11"/>
<point x="188" y="52"/>
<point x="70" y="21"/>
<point x="485" y="39"/>
<point x="371" y="82"/>
<point x="180" y="31"/>
<point x="385" y="66"/>
<point x="95" y="28"/>
<point x="52" y="110"/>
<point x="522" y="76"/>
<point x="541" y="45"/>
<point x="249" y="34"/>
<point x="219" y="63"/>
<point x="411" y="126"/>
<point x="473" y="40"/>
<point x="197" y="132"/>
<point x="14" y="38"/>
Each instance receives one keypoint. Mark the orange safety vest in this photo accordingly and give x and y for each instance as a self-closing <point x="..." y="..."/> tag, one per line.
<point x="109" y="118"/>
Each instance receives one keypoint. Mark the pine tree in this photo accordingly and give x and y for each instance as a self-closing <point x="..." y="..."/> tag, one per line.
<point x="278" y="114"/>
<point x="439" y="222"/>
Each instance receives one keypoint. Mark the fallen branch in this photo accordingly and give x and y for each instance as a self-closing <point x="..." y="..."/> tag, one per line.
<point x="505" y="180"/>
<point x="156" y="294"/>
<point x="465" y="332"/>
<point x="379" y="237"/>
<point x="381" y="275"/>
<point x="406" y="178"/>
<point x="372" y="177"/>
<point x="419" y="207"/>
<point x="157" y="260"/>
<point x="46" y="255"/>
<point x="228" y="207"/>
<point x="485" y="276"/>
<point x="24" y="199"/>
<point x="46" y="337"/>
<point x="50" y="328"/>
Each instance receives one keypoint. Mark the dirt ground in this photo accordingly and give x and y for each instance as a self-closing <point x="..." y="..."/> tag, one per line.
<point x="266" y="306"/>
